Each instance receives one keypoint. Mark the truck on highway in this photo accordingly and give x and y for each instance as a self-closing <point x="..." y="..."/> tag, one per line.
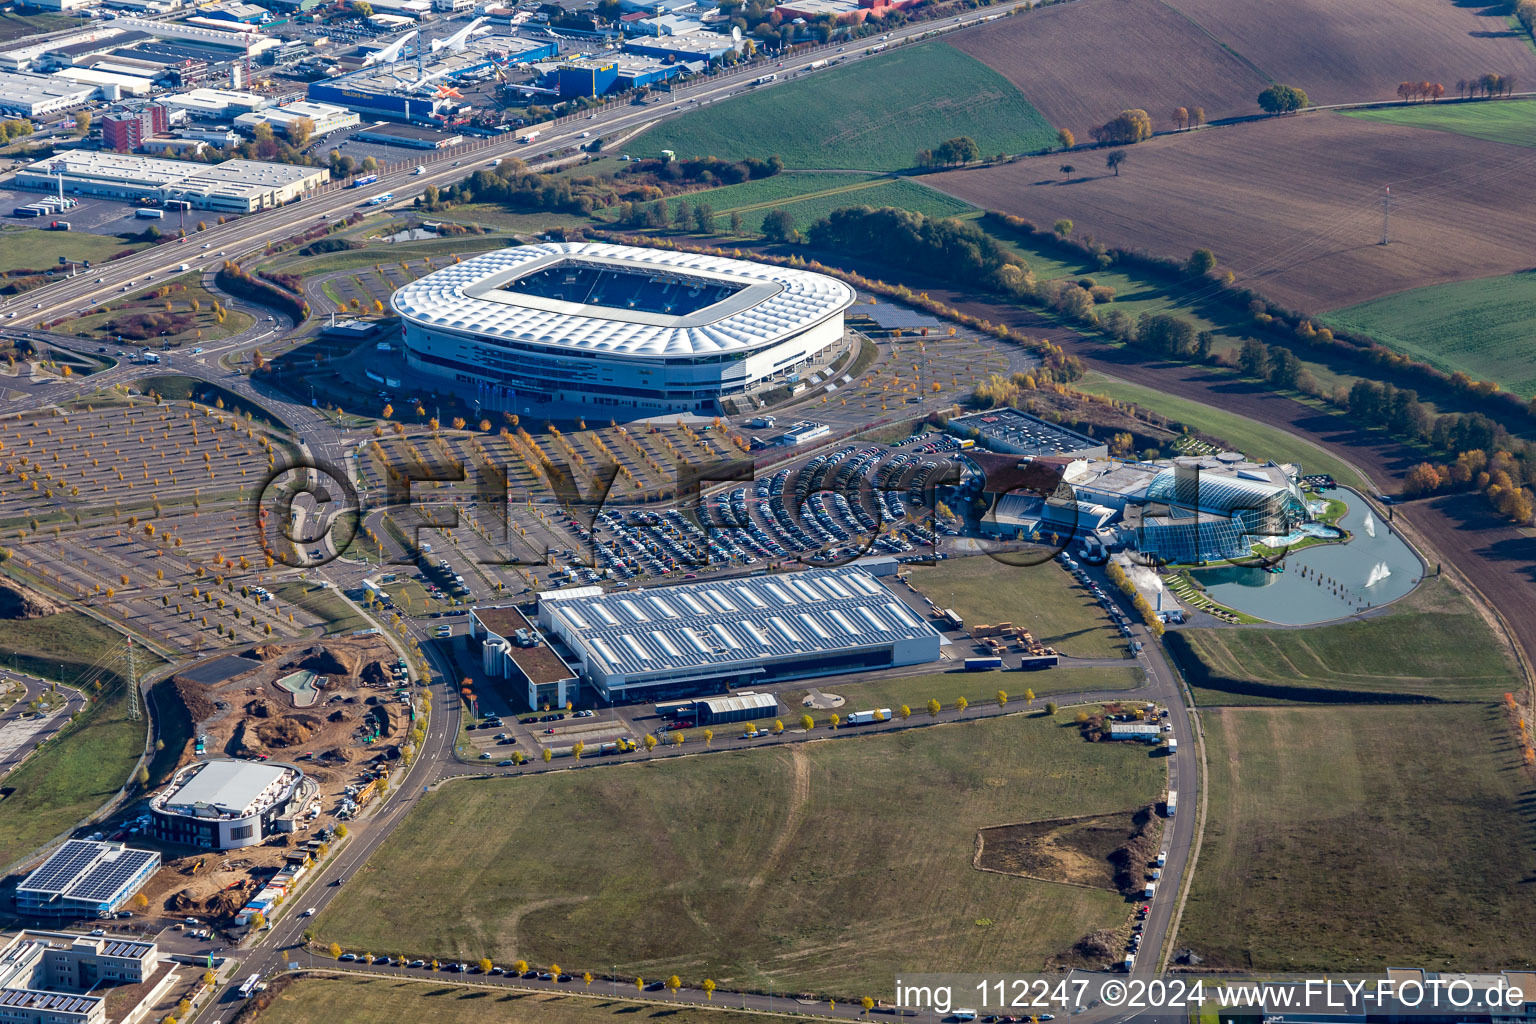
<point x="865" y="717"/>
<point x="764" y="80"/>
<point x="183" y="267"/>
<point x="983" y="664"/>
<point x="1173" y="803"/>
<point x="380" y="200"/>
<point x="367" y="179"/>
<point x="813" y="65"/>
<point x="527" y="137"/>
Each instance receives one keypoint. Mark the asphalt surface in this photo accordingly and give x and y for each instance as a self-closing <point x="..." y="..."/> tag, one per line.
<point x="20" y="732"/>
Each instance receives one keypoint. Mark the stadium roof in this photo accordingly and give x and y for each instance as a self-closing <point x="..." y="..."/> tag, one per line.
<point x="768" y="304"/>
<point x="84" y="869"/>
<point x="229" y="787"/>
<point x="715" y="623"/>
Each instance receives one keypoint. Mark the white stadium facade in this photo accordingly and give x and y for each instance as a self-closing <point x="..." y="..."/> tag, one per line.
<point x="616" y="327"/>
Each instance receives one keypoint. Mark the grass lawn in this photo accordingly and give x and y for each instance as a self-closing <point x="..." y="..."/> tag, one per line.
<point x="325" y="604"/>
<point x="1504" y="121"/>
<point x="383" y="254"/>
<point x="1483" y="327"/>
<point x="205" y="325"/>
<point x="1245" y="435"/>
<point x="80" y="769"/>
<point x="822" y="197"/>
<point x="1041" y="598"/>
<point x="14" y="26"/>
<point x="34" y="249"/>
<point x="873" y="115"/>
<point x="976" y="687"/>
<point x="1431" y="644"/>
<point x="349" y="1000"/>
<point x="822" y="867"/>
<point x="493" y="215"/>
<point x="1333" y="841"/>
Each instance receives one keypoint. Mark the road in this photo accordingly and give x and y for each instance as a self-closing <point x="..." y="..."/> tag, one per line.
<point x="20" y="731"/>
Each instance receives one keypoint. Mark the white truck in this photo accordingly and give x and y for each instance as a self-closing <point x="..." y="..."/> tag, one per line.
<point x="1173" y="803"/>
<point x="1149" y="891"/>
<point x="1173" y="748"/>
<point x="527" y="136"/>
<point x="866" y="717"/>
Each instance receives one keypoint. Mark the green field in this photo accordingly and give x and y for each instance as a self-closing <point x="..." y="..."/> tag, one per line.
<point x="1430" y="645"/>
<point x="329" y="999"/>
<point x="1041" y="598"/>
<point x="323" y="603"/>
<point x="824" y="866"/>
<point x="1252" y="438"/>
<point x="1482" y="327"/>
<point x="976" y="687"/>
<point x="1334" y="842"/>
<point x="872" y="116"/>
<point x="1512" y="121"/>
<point x="33" y="249"/>
<point x="811" y="196"/>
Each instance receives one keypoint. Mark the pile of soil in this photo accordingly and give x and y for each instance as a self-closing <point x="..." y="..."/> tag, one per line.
<point x="1139" y="850"/>
<point x="182" y="900"/>
<point x="375" y="672"/>
<point x="264" y="652"/>
<point x="325" y="662"/>
<point x="259" y="709"/>
<point x="193" y="697"/>
<point x="227" y="903"/>
<point x="17" y="602"/>
<point x="282" y="732"/>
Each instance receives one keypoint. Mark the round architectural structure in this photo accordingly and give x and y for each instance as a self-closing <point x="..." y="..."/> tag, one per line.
<point x="614" y="328"/>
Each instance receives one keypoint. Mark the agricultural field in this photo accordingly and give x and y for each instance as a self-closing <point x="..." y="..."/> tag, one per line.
<point x="15" y="26"/>
<point x="1332" y="839"/>
<point x="1290" y="205"/>
<point x="1482" y="327"/>
<point x="1041" y="598"/>
<point x="1339" y="53"/>
<point x="796" y="866"/>
<point x="1431" y="645"/>
<point x="871" y="116"/>
<point x="35" y="249"/>
<point x="333" y="999"/>
<point x="1080" y="65"/>
<point x="1511" y="121"/>
<point x="810" y="197"/>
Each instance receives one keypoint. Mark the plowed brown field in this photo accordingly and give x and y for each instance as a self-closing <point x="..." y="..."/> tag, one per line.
<point x="1342" y="51"/>
<point x="1292" y="205"/>
<point x="1082" y="63"/>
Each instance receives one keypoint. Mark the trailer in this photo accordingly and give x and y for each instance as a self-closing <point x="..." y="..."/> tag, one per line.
<point x="1173" y="803"/>
<point x="983" y="664"/>
<point x="527" y="137"/>
<point x="866" y="717"/>
<point x="148" y="214"/>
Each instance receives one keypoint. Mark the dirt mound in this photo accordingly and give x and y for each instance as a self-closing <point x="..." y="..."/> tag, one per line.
<point x="192" y="697"/>
<point x="1132" y="858"/>
<point x="1095" y="946"/>
<point x="282" y="732"/>
<point x="327" y="662"/>
<point x="226" y="903"/>
<point x="337" y="754"/>
<point x="1095" y="850"/>
<point x="259" y="709"/>
<point x="376" y="672"/>
<point x="182" y="900"/>
<point x="20" y="603"/>
<point x="264" y="652"/>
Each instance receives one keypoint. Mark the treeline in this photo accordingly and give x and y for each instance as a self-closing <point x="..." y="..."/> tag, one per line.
<point x="1502" y="478"/>
<point x="235" y="280"/>
<point x="946" y="248"/>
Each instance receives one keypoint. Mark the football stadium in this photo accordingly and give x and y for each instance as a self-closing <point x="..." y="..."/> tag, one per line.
<point x="623" y="328"/>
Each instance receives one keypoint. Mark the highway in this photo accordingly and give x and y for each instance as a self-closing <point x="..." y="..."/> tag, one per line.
<point x="242" y="235"/>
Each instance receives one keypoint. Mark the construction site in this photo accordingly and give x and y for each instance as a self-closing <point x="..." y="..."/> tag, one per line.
<point x="340" y="709"/>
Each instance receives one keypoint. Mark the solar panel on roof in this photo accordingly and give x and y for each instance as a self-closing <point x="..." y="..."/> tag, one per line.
<point x="58" y="872"/>
<point x="108" y="878"/>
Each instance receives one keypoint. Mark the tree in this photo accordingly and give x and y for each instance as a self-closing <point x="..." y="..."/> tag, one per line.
<point x="709" y="737"/>
<point x="520" y="966"/>
<point x="934" y="707"/>
<point x="1002" y="698"/>
<point x="1113" y="159"/>
<point x="486" y="965"/>
<point x="779" y="226"/>
<point x="548" y="755"/>
<point x="1201" y="262"/>
<point x="341" y="830"/>
<point x="1196" y="116"/>
<point x="834" y="720"/>
<point x="1125" y="128"/>
<point x="1282" y="99"/>
<point x="1421" y="479"/>
<point x="807" y="723"/>
<point x="1180" y="117"/>
<point x="673" y="984"/>
<point x="736" y="227"/>
<point x="142" y="776"/>
<point x="262" y="132"/>
<point x="709" y="989"/>
<point x="1067" y="170"/>
<point x="868" y="1004"/>
<point x="639" y="984"/>
<point x="1065" y="138"/>
<point x="83" y="122"/>
<point x="1050" y="709"/>
<point x="363" y="8"/>
<point x="300" y="131"/>
<point x="1253" y="358"/>
<point x="650" y="742"/>
<point x="140" y="902"/>
<point x="577" y="748"/>
<point x="678" y="739"/>
<point x="778" y="726"/>
<point x="960" y="150"/>
<point x="961" y="703"/>
<point x="586" y="979"/>
<point x="1063" y="227"/>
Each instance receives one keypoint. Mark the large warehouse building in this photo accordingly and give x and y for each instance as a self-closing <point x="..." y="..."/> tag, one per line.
<point x="706" y="637"/>
<point x="223" y="804"/>
<point x="612" y="327"/>
<point x="234" y="186"/>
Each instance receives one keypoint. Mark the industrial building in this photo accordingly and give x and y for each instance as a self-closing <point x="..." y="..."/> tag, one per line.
<point x="696" y="46"/>
<point x="234" y="186"/>
<point x="714" y="635"/>
<point x="325" y="118"/>
<point x="85" y="878"/>
<point x="401" y="91"/>
<point x="62" y="978"/>
<point x="616" y="327"/>
<point x="599" y="76"/>
<point x="409" y="135"/>
<point x="1012" y="432"/>
<point x="224" y="804"/>
<point x="215" y="104"/>
<point x="511" y="648"/>
<point x="31" y="95"/>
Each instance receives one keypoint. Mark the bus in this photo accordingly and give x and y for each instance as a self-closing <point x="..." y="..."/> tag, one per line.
<point x="248" y="986"/>
<point x="367" y="179"/>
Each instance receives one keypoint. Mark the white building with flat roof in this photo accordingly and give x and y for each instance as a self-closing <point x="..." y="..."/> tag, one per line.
<point x="35" y="95"/>
<point x="85" y="878"/>
<point x="223" y="804"/>
<point x="215" y="104"/>
<point x="234" y="186"/>
<point x="325" y="117"/>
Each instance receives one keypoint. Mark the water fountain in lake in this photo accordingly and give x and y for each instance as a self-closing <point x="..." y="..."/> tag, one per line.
<point x="1368" y="524"/>
<point x="1379" y="572"/>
